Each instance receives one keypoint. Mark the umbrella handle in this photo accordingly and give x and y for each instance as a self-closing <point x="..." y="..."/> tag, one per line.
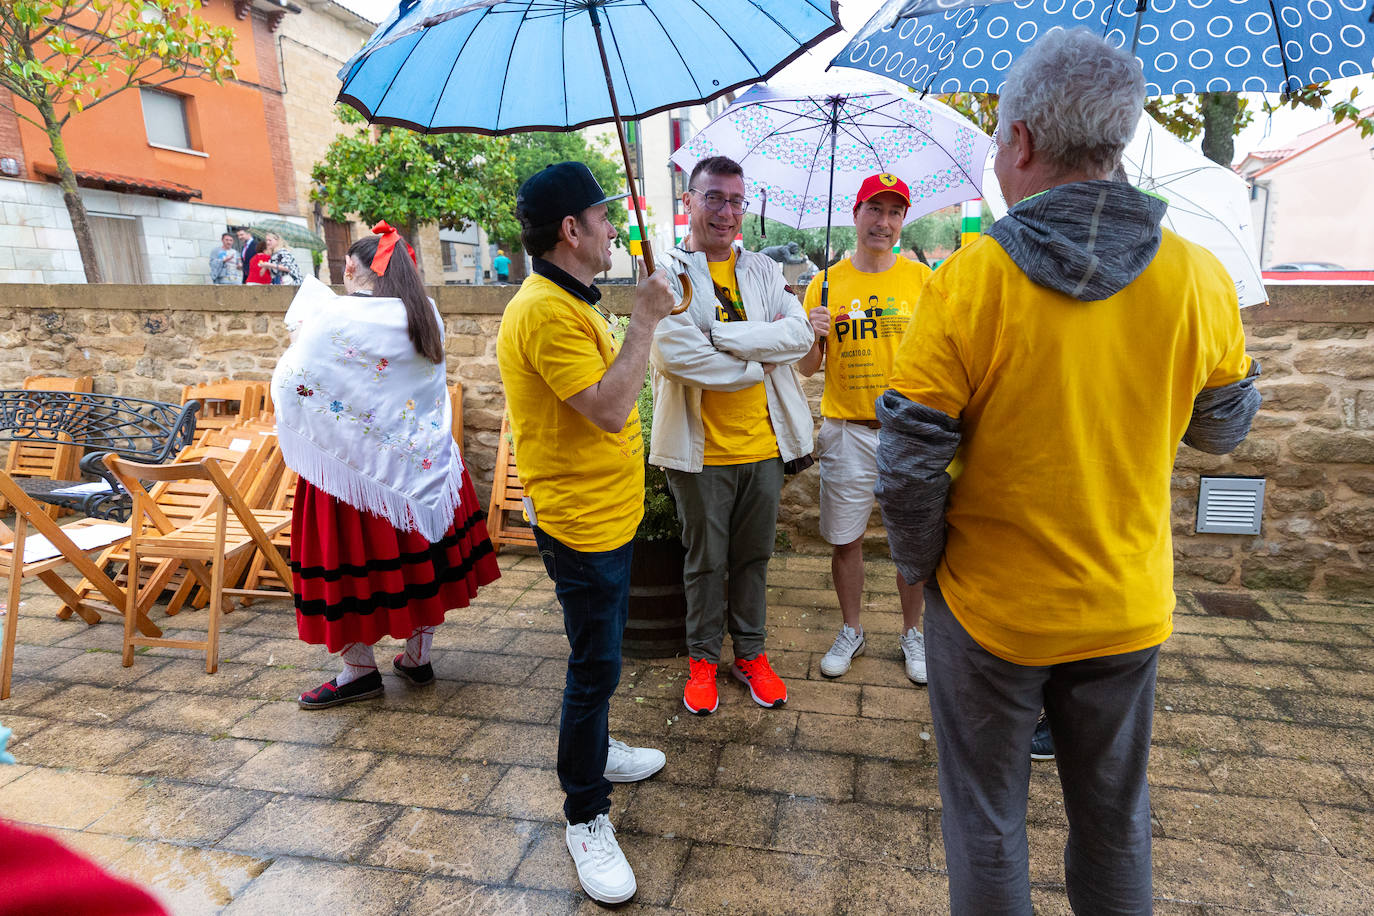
<point x="686" y="295"/>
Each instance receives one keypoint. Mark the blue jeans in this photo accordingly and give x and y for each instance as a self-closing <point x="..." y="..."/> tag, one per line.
<point x="984" y="709"/>
<point x="594" y="590"/>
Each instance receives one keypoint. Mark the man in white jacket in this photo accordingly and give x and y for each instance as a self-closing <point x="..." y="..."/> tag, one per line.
<point x="729" y="414"/>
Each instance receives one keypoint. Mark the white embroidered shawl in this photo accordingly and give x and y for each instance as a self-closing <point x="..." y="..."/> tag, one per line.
<point x="363" y="416"/>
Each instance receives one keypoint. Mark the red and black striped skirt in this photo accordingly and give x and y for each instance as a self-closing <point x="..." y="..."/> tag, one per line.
<point x="357" y="578"/>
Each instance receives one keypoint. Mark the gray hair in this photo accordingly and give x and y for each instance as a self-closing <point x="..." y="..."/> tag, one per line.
<point x="1080" y="97"/>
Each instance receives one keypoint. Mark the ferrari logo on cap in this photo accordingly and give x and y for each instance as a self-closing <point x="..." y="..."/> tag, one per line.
<point x="887" y="179"/>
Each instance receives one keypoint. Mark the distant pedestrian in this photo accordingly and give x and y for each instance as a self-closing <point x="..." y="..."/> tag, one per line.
<point x="226" y="267"/>
<point x="249" y="246"/>
<point x="501" y="264"/>
<point x="282" y="264"/>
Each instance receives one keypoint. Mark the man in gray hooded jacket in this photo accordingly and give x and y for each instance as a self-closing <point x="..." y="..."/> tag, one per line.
<point x="1025" y="457"/>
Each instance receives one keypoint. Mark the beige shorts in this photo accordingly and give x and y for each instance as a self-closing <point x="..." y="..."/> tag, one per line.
<point x="847" y="454"/>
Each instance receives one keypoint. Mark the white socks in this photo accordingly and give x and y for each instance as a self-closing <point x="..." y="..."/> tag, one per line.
<point x="417" y="647"/>
<point x="358" y="661"/>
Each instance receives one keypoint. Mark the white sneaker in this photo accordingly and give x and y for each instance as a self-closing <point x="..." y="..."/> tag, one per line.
<point x="631" y="764"/>
<point x="914" y="648"/>
<point x="601" y="866"/>
<point x="848" y="645"/>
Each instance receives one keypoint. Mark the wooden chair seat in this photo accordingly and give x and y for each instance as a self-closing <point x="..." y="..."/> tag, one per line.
<point x="506" y="519"/>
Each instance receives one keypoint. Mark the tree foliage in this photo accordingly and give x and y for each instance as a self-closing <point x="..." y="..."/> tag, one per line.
<point x="64" y="56"/>
<point x="411" y="179"/>
<point x="812" y="241"/>
<point x="536" y="149"/>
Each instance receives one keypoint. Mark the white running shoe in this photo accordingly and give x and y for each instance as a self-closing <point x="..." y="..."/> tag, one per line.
<point x="914" y="649"/>
<point x="601" y="866"/>
<point x="848" y="645"/>
<point x="631" y="764"/>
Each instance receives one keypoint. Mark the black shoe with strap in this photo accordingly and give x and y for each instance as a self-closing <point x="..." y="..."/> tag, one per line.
<point x="419" y="676"/>
<point x="331" y="694"/>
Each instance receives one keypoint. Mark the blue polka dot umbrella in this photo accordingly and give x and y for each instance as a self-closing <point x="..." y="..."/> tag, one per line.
<point x="1183" y="45"/>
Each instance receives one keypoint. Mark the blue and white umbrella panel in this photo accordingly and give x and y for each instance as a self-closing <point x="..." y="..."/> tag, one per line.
<point x="1183" y="45"/>
<point x="498" y="66"/>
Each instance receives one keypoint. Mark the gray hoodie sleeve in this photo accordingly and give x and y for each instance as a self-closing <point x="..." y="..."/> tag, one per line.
<point x="915" y="446"/>
<point x="1222" y="416"/>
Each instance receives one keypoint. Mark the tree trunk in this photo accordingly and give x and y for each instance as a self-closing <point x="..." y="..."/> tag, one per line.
<point x="1219" y="110"/>
<point x="412" y="233"/>
<point x="76" y="209"/>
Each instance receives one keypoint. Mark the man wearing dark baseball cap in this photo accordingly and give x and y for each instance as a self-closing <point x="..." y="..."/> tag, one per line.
<point x="571" y="392"/>
<point x="872" y="294"/>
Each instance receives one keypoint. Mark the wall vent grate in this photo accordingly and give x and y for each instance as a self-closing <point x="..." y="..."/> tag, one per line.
<point x="1230" y="505"/>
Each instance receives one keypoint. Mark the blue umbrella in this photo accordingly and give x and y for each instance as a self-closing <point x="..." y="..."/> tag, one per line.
<point x="1183" y="45"/>
<point x="502" y="66"/>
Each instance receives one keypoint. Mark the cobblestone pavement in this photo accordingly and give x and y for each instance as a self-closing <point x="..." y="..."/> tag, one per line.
<point x="218" y="792"/>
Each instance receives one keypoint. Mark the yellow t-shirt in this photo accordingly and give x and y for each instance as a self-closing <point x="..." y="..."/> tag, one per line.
<point x="738" y="429"/>
<point x="869" y="313"/>
<point x="1058" y="531"/>
<point x="587" y="485"/>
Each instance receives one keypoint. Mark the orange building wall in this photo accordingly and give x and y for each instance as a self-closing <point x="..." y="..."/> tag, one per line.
<point x="229" y="122"/>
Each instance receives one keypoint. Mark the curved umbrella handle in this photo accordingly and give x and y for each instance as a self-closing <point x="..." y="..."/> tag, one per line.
<point x="686" y="294"/>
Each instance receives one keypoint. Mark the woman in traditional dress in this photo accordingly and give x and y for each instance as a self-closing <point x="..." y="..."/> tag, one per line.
<point x="387" y="534"/>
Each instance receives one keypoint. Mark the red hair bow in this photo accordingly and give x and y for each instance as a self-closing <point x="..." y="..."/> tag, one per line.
<point x="384" y="248"/>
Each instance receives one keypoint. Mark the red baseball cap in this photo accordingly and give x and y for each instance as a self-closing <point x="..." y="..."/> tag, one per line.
<point x="878" y="184"/>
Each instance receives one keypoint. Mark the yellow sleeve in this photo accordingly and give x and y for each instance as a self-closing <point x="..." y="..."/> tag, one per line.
<point x="1234" y="364"/>
<point x="930" y="368"/>
<point x="564" y="353"/>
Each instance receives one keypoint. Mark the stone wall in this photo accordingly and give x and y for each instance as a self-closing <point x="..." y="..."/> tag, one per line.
<point x="1313" y="440"/>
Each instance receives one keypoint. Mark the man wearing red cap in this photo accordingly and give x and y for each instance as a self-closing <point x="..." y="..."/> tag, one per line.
<point x="870" y="301"/>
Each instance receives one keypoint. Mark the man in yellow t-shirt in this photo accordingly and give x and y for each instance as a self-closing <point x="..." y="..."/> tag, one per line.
<point x="869" y="304"/>
<point x="571" y="395"/>
<point x="1062" y="356"/>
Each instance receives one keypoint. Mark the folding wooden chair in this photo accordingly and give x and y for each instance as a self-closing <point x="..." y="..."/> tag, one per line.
<point x="507" y="498"/>
<point x="214" y="539"/>
<point x="50" y="547"/>
<point x="225" y="403"/>
<point x="259" y="571"/>
<point x="36" y="459"/>
<point x="182" y="501"/>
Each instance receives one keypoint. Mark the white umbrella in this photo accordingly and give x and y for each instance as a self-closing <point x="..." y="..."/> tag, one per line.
<point x="1208" y="203"/>
<point x="806" y="149"/>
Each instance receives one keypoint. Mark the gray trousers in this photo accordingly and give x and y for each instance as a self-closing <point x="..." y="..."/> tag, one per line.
<point x="729" y="517"/>
<point x="1100" y="713"/>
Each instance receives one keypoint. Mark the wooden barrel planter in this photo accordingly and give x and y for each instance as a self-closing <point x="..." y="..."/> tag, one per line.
<point x="657" y="625"/>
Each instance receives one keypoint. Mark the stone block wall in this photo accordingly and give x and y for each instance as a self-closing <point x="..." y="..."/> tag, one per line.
<point x="1313" y="441"/>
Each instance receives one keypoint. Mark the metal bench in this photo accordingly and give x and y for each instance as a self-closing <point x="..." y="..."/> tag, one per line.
<point x="151" y="432"/>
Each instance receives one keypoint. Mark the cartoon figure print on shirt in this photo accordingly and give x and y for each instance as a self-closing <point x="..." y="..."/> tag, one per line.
<point x="729" y="304"/>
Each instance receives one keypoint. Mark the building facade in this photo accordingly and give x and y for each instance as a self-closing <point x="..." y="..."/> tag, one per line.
<point x="163" y="172"/>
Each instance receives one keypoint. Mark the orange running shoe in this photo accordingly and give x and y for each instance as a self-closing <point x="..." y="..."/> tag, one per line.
<point x="765" y="687"/>
<point x="699" y="696"/>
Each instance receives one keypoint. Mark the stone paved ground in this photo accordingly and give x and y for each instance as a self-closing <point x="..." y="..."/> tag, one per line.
<point x="221" y="794"/>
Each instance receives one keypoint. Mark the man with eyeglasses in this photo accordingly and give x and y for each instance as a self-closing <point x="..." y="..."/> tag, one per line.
<point x="729" y="415"/>
<point x="872" y="295"/>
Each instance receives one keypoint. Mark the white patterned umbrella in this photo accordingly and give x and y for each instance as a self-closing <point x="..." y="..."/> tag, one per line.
<point x="783" y="136"/>
<point x="805" y="151"/>
<point x="1208" y="203"/>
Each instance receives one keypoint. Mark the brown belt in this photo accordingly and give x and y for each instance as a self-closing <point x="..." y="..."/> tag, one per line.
<point x="871" y="424"/>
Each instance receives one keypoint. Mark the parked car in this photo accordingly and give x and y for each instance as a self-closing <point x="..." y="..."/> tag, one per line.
<point x="1306" y="265"/>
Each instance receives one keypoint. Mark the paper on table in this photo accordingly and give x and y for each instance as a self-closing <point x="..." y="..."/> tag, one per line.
<point x="87" y="537"/>
<point x="82" y="489"/>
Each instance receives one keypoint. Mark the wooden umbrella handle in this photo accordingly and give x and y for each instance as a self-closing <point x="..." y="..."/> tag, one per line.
<point x="686" y="294"/>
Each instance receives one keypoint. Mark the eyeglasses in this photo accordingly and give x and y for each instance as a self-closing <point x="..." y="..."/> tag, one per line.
<point x="715" y="200"/>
